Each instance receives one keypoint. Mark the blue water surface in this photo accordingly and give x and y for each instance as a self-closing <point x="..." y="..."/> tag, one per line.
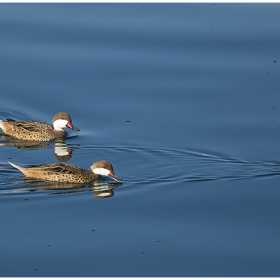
<point x="183" y="100"/>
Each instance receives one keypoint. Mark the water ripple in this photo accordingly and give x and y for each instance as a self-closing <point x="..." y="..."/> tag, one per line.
<point x="155" y="164"/>
<point x="138" y="165"/>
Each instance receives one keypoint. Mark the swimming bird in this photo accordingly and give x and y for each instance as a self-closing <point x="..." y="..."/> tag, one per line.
<point x="37" y="130"/>
<point x="62" y="172"/>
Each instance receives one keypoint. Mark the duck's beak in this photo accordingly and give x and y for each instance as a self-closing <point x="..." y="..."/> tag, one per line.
<point x="72" y="126"/>
<point x="115" y="177"/>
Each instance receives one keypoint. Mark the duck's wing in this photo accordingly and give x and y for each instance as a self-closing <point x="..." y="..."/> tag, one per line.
<point x="32" y="126"/>
<point x="61" y="168"/>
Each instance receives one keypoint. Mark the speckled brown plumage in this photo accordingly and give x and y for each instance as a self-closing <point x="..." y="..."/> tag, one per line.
<point x="61" y="172"/>
<point x="36" y="130"/>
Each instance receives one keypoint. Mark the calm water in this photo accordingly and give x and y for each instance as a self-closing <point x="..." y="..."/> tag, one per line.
<point x="183" y="100"/>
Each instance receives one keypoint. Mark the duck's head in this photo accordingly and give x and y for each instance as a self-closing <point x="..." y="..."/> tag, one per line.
<point x="61" y="120"/>
<point x="105" y="168"/>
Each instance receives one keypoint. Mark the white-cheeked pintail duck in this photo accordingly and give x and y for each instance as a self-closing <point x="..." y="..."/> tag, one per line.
<point x="37" y="130"/>
<point x="62" y="172"/>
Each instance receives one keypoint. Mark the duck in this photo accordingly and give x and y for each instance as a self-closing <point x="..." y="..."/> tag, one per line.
<point x="63" y="172"/>
<point x="38" y="130"/>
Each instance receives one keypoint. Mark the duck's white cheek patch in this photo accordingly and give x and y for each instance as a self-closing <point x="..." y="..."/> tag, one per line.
<point x="59" y="124"/>
<point x="101" y="171"/>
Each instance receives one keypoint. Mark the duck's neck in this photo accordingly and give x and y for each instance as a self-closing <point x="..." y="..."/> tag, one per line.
<point x="60" y="133"/>
<point x="93" y="175"/>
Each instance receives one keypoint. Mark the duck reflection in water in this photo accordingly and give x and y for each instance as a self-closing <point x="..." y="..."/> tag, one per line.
<point x="99" y="188"/>
<point x="62" y="151"/>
